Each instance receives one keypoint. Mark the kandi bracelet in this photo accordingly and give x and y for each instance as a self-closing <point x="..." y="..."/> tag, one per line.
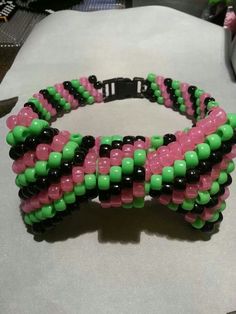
<point x="188" y="171"/>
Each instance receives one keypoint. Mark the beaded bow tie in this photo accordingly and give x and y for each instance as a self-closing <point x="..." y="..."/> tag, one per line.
<point x="188" y="171"/>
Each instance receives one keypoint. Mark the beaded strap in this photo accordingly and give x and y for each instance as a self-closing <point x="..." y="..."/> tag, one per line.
<point x="188" y="171"/>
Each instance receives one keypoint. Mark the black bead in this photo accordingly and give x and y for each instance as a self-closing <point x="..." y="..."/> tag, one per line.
<point x="180" y="183"/>
<point x="42" y="182"/>
<point x="207" y="100"/>
<point x="77" y="96"/>
<point x="67" y="84"/>
<point x="57" y="218"/>
<point x="221" y="217"/>
<point x="22" y="195"/>
<point x="176" y="106"/>
<point x="152" y="98"/>
<point x="128" y="140"/>
<point x="88" y="141"/>
<point x="191" y="90"/>
<point x="104" y="150"/>
<point x="74" y="206"/>
<point x="228" y="182"/>
<point x="167" y="189"/>
<point x="33" y="189"/>
<point x="180" y="210"/>
<point x="115" y="188"/>
<point x="169" y="138"/>
<point x="44" y="92"/>
<point x="54" y="175"/>
<point x="79" y="158"/>
<point x="148" y="93"/>
<point x="55" y="131"/>
<point x="139" y="173"/>
<point x="92" y="79"/>
<point x="46" y="136"/>
<point x="213" y="202"/>
<point x="216" y="157"/>
<point x="59" y="109"/>
<point x="168" y="82"/>
<point x="91" y="194"/>
<point x="221" y="191"/>
<point x="140" y="138"/>
<point x="233" y="139"/>
<point x="38" y="228"/>
<point x="170" y="90"/>
<point x="193" y="100"/>
<point x="204" y="166"/>
<point x="116" y="144"/>
<point x="174" y="98"/>
<point x="98" y="85"/>
<point x="154" y="193"/>
<point x="127" y="181"/>
<point x="48" y="224"/>
<point x="14" y="154"/>
<point x="192" y="175"/>
<point x="31" y="142"/>
<point x="208" y="227"/>
<point x="226" y="147"/>
<point x="66" y="167"/>
<point x="83" y="149"/>
<point x="104" y="195"/>
<point x="32" y="106"/>
<point x="197" y="209"/>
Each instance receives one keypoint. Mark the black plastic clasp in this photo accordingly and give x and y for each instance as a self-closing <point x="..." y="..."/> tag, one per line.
<point x="121" y="88"/>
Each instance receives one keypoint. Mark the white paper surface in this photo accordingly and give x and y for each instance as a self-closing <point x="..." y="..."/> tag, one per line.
<point x="117" y="261"/>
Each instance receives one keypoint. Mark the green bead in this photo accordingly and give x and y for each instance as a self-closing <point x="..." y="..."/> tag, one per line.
<point x="156" y="182"/>
<point x="231" y="167"/>
<point x="173" y="206"/>
<point x="79" y="189"/>
<point x="48" y="211"/>
<point x="203" y="151"/>
<point x="77" y="138"/>
<point x="20" y="133"/>
<point x="30" y="174"/>
<point x="180" y="100"/>
<point x="222" y="177"/>
<point x="168" y="174"/>
<point x="21" y="178"/>
<point x="178" y="93"/>
<point x="223" y="206"/>
<point x="232" y="119"/>
<point x="198" y="102"/>
<point x="138" y="202"/>
<point x="203" y="197"/>
<point x="106" y="140"/>
<point x="139" y="157"/>
<point x="10" y="139"/>
<point x="214" y="217"/>
<point x="198" y="111"/>
<point x="57" y="96"/>
<point x="41" y="168"/>
<point x="157" y="93"/>
<point x="90" y="181"/>
<point x="198" y="223"/>
<point x="129" y="205"/>
<point x="214" y="141"/>
<point x="191" y="159"/>
<point x="198" y="92"/>
<point x="188" y="204"/>
<point x="69" y="150"/>
<point x="59" y="205"/>
<point x="67" y="107"/>
<point x="225" y="132"/>
<point x="150" y="150"/>
<point x="37" y="126"/>
<point x="115" y="174"/>
<point x="103" y="182"/>
<point x="69" y="197"/>
<point x="147" y="187"/>
<point x="151" y="77"/>
<point x="81" y="89"/>
<point x="86" y="94"/>
<point x="117" y="138"/>
<point x="154" y="86"/>
<point x="212" y="104"/>
<point x="160" y="100"/>
<point x="157" y="141"/>
<point x="17" y="182"/>
<point x="180" y="168"/>
<point x="62" y="102"/>
<point x="182" y="108"/>
<point x="127" y="165"/>
<point x="27" y="220"/>
<point x="52" y="91"/>
<point x="39" y="215"/>
<point x="54" y="159"/>
<point x="75" y="83"/>
<point x="33" y="218"/>
<point x="48" y="116"/>
<point x="90" y="100"/>
<point x="186" y="130"/>
<point x="176" y="84"/>
<point x="215" y="187"/>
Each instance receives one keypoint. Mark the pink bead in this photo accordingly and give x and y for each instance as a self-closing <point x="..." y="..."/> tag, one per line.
<point x="207" y="214"/>
<point x="65" y="94"/>
<point x="94" y="93"/>
<point x="127" y="196"/>
<point x="66" y="184"/>
<point x="225" y="195"/>
<point x="191" y="191"/>
<point x="147" y="172"/>
<point x="89" y="87"/>
<point x="35" y="203"/>
<point x="128" y="150"/>
<point x="116" y="201"/>
<point x="215" y="208"/>
<point x="159" y="80"/>
<point x="163" y="150"/>
<point x="91" y="155"/>
<point x="54" y="191"/>
<point x="207" y="125"/>
<point x="196" y="135"/>
<point x="99" y="98"/>
<point x="116" y="157"/>
<point x="166" y="159"/>
<point x="43" y="151"/>
<point x="26" y="206"/>
<point x="205" y="182"/>
<point x="177" y="197"/>
<point x="58" y="143"/>
<point x="219" y="116"/>
<point x="168" y="103"/>
<point x="53" y="112"/>
<point x="186" y="144"/>
<point x="74" y="104"/>
<point x="78" y="174"/>
<point x="164" y="199"/>
<point x="189" y="217"/>
<point x="70" y="98"/>
<point x="139" y="144"/>
<point x="152" y="155"/>
<point x="147" y="142"/>
<point x="25" y="116"/>
<point x="103" y="165"/>
<point x="106" y="204"/>
<point x="11" y="122"/>
<point x="29" y="159"/>
<point x="138" y="189"/>
<point x="83" y="80"/>
<point x="178" y="136"/>
<point x="43" y="197"/>
<point x="224" y="164"/>
<point x="232" y="154"/>
<point x="89" y="165"/>
<point x="215" y="172"/>
<point x="184" y="87"/>
<point x="65" y="134"/>
<point x="175" y="150"/>
<point x="155" y="166"/>
<point x="18" y="166"/>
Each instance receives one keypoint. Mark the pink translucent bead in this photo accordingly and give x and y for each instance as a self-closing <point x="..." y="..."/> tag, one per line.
<point x="92" y="155"/>
<point x="94" y="93"/>
<point x="89" y="87"/>
<point x="83" y="80"/>
<point x="53" y="112"/>
<point x="189" y="217"/>
<point x="18" y="166"/>
<point x="203" y="97"/>
<point x="147" y="142"/>
<point x="196" y="135"/>
<point x="191" y="191"/>
<point x="103" y="165"/>
<point x="168" y="103"/>
<point x="152" y="155"/>
<point x="35" y="203"/>
<point x="215" y="172"/>
<point x="106" y="204"/>
<point x="29" y="159"/>
<point x="65" y="134"/>
<point x="78" y="174"/>
<point x="99" y="98"/>
<point x="127" y="196"/>
<point x="186" y="97"/>
<point x="159" y="80"/>
<point x="164" y="199"/>
<point x="219" y="116"/>
<point x="225" y="195"/>
<point x="43" y="197"/>
<point x="26" y="206"/>
<point x="215" y="208"/>
<point x="66" y="184"/>
<point x="232" y="154"/>
<point x="11" y="121"/>
<point x="58" y="143"/>
<point x="207" y="214"/>
<point x="163" y="150"/>
<point x="165" y="95"/>
<point x="43" y="151"/>
<point x="116" y="201"/>
<point x="147" y="172"/>
<point x="186" y="144"/>
<point x="59" y="87"/>
<point x="139" y="144"/>
<point x="74" y="104"/>
<point x="184" y="87"/>
<point x="65" y="94"/>
<point x="70" y="98"/>
<point x="138" y="189"/>
<point x="128" y="150"/>
<point x="175" y="150"/>
<point x="97" y="142"/>
<point x="116" y="157"/>
<point x="54" y="191"/>
<point x="166" y="159"/>
<point x="177" y="197"/>
<point x="205" y="182"/>
<point x="89" y="165"/>
<point x="178" y="135"/>
<point x="25" y="116"/>
<point x="155" y="166"/>
<point x="207" y="125"/>
<point x="224" y="164"/>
